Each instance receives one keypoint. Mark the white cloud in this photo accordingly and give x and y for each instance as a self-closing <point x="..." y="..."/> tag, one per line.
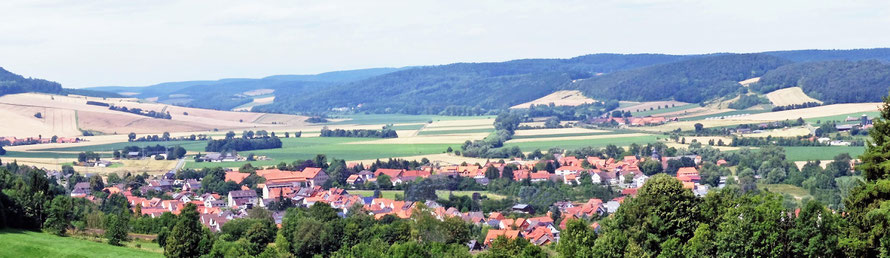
<point x="91" y="43"/>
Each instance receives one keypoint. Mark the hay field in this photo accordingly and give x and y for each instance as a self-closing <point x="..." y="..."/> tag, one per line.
<point x="99" y="118"/>
<point x="789" y="96"/>
<point x="782" y="132"/>
<point x="452" y="124"/>
<point x="690" y="125"/>
<point x="820" y="111"/>
<point x="572" y="130"/>
<point x="474" y="127"/>
<point x="256" y="102"/>
<point x="149" y="166"/>
<point x="652" y="104"/>
<point x="559" y="98"/>
<point x="748" y="82"/>
<point x="20" y="121"/>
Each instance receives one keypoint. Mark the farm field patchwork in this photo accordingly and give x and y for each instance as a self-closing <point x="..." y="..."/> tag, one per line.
<point x="456" y="131"/>
<point x="334" y="147"/>
<point x="399" y="119"/>
<point x="576" y="144"/>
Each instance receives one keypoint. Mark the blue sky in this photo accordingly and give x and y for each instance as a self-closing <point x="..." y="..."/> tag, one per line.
<point x="142" y="42"/>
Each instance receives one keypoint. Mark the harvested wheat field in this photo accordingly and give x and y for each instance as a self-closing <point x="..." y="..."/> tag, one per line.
<point x="559" y="98"/>
<point x="102" y="119"/>
<point x="820" y="111"/>
<point x="53" y="121"/>
<point x="748" y="82"/>
<point x="653" y="104"/>
<point x="434" y="129"/>
<point x="690" y="125"/>
<point x="452" y="124"/>
<point x="789" y="96"/>
<point x="782" y="132"/>
<point x="573" y="130"/>
<point x="585" y="137"/>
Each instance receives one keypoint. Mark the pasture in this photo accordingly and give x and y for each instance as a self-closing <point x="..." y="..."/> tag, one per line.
<point x="38" y="244"/>
<point x="821" y="152"/>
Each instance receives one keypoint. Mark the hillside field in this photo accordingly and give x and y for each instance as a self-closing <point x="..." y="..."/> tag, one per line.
<point x="38" y="244"/>
<point x="789" y="96"/>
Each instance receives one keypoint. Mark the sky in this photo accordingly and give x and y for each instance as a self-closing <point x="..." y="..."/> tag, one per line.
<point x="89" y="43"/>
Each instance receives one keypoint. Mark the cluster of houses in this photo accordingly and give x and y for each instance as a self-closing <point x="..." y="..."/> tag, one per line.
<point x="304" y="188"/>
<point x="36" y="140"/>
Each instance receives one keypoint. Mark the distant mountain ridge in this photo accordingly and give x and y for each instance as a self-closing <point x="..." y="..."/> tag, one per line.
<point x="481" y="88"/>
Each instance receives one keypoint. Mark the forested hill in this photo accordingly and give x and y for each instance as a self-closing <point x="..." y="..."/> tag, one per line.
<point x="226" y="94"/>
<point x="832" y="81"/>
<point x="11" y="83"/>
<point x="812" y="55"/>
<point x="463" y="88"/>
<point x="693" y="80"/>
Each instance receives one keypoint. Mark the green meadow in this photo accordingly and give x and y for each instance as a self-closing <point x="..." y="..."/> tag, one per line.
<point x="397" y="119"/>
<point x="188" y="145"/>
<point x="821" y="152"/>
<point x="456" y="131"/>
<point x="334" y="147"/>
<point x="577" y="144"/>
<point x="38" y="244"/>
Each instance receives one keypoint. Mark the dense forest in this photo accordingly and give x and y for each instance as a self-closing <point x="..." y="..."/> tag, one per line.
<point x="11" y="83"/>
<point x="836" y="81"/>
<point x="695" y="80"/>
<point x="463" y="88"/>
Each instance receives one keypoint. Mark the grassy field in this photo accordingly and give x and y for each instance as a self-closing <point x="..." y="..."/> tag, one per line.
<point x="842" y="117"/>
<point x="559" y="135"/>
<point x="664" y="110"/>
<point x="398" y="119"/>
<point x="334" y="147"/>
<point x="728" y="113"/>
<point x="52" y="155"/>
<point x="442" y="194"/>
<point x="577" y="144"/>
<point x="797" y="192"/>
<point x="456" y="131"/>
<point x="820" y="153"/>
<point x="37" y="244"/>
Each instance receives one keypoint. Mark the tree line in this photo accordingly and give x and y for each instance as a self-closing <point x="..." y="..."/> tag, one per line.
<point x="360" y="133"/>
<point x="139" y="111"/>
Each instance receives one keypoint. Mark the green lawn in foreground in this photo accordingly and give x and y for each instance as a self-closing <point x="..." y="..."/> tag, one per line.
<point x="398" y="119"/>
<point x="577" y="144"/>
<point x="821" y="152"/>
<point x="334" y="147"/>
<point x="38" y="244"/>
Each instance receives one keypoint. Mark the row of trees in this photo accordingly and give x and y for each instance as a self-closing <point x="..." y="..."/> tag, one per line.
<point x="361" y="133"/>
<point x="166" y="137"/>
<point x="242" y="144"/>
<point x="796" y="106"/>
<point x="139" y="111"/>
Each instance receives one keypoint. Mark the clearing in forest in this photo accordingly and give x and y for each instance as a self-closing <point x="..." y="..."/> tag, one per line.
<point x="559" y="98"/>
<point x="789" y="96"/>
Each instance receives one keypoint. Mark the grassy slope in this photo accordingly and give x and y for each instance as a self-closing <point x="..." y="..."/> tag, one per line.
<point x="37" y="244"/>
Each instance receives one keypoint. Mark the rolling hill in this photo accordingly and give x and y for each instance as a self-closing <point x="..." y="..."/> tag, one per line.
<point x="485" y="88"/>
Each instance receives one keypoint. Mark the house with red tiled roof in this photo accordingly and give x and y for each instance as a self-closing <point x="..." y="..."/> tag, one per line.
<point x="392" y="173"/>
<point x="540" y="235"/>
<point x="495" y="233"/>
<point x="236" y="177"/>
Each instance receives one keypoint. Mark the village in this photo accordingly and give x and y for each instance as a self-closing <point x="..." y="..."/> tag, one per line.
<point x="305" y="188"/>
